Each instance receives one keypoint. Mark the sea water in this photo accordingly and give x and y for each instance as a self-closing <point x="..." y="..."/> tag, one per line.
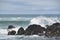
<point x="24" y="20"/>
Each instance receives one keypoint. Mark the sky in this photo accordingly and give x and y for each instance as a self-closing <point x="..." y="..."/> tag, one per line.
<point x="29" y="6"/>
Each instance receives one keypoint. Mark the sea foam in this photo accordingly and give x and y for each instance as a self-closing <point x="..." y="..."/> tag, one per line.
<point x="43" y="21"/>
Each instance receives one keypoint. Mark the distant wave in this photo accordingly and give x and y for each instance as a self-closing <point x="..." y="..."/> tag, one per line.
<point x="42" y="20"/>
<point x="14" y="19"/>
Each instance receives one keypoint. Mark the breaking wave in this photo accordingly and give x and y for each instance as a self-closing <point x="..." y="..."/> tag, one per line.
<point x="41" y="20"/>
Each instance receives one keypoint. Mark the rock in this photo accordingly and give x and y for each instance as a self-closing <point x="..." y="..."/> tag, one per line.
<point x="10" y="30"/>
<point x="52" y="30"/>
<point x="13" y="32"/>
<point x="34" y="29"/>
<point x="20" y="31"/>
<point x="10" y="27"/>
<point x="56" y="24"/>
<point x="57" y="31"/>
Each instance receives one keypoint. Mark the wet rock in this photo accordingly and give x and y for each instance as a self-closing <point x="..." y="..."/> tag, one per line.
<point x="34" y="29"/>
<point x="53" y="30"/>
<point x="20" y="31"/>
<point x="10" y="27"/>
<point x="57" y="31"/>
<point x="13" y="32"/>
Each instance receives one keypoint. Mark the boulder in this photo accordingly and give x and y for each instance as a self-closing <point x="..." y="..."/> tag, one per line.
<point x="20" y="31"/>
<point x="57" y="31"/>
<point x="34" y="29"/>
<point x="13" y="32"/>
<point x="10" y="27"/>
<point x="52" y="29"/>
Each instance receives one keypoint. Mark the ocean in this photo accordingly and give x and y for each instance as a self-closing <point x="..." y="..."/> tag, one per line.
<point x="24" y="20"/>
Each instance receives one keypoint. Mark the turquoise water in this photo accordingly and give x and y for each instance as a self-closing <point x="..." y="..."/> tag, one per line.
<point x="24" y="20"/>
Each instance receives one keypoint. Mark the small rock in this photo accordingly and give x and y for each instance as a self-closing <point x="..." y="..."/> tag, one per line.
<point x="10" y="27"/>
<point x="20" y="31"/>
<point x="13" y="32"/>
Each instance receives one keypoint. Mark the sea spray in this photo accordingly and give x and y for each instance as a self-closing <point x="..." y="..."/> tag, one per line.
<point x="43" y="21"/>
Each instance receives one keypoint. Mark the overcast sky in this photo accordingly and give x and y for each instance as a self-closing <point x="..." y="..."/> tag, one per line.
<point x="29" y="6"/>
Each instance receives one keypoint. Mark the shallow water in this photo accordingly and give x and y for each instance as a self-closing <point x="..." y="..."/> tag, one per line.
<point x="31" y="37"/>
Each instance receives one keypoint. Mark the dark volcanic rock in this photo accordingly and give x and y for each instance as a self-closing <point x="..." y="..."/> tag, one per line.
<point x="34" y="29"/>
<point x="57" y="31"/>
<point x="20" y="31"/>
<point x="10" y="27"/>
<point x="12" y="32"/>
<point x="53" y="30"/>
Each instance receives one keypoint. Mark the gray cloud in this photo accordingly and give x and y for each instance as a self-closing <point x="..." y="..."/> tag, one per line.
<point x="29" y="6"/>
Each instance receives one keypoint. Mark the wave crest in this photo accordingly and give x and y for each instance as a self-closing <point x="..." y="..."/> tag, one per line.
<point x="14" y="19"/>
<point x="44" y="20"/>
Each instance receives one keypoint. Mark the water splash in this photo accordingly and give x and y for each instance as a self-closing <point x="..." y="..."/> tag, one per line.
<point x="43" y="21"/>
